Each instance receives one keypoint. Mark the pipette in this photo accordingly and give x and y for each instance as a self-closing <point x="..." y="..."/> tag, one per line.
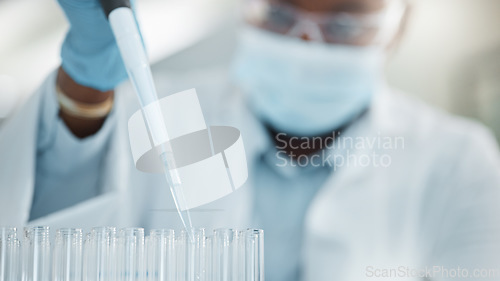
<point x="126" y="32"/>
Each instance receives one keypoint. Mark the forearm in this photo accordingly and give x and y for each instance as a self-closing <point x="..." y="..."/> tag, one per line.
<point x="80" y="126"/>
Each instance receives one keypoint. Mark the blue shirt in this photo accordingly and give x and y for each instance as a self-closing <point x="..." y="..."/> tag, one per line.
<point x="283" y="195"/>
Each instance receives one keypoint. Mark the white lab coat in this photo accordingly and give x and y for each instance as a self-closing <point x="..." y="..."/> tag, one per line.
<point x="437" y="204"/>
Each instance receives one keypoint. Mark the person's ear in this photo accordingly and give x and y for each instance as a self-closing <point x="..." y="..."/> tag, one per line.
<point x="394" y="43"/>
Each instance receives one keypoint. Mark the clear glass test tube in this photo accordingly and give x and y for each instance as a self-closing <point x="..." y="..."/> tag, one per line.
<point x="191" y="255"/>
<point x="130" y="251"/>
<point x="161" y="255"/>
<point x="100" y="248"/>
<point x="254" y="255"/>
<point x="181" y="241"/>
<point x="228" y="256"/>
<point x="208" y="258"/>
<point x="86" y="257"/>
<point x="196" y="252"/>
<point x="222" y="254"/>
<point x="9" y="254"/>
<point x="67" y="255"/>
<point x="238" y="255"/>
<point x="36" y="254"/>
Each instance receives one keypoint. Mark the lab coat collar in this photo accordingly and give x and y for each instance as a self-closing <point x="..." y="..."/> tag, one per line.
<point x="380" y="118"/>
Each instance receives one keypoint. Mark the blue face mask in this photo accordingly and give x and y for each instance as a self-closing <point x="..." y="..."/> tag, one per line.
<point x="305" y="88"/>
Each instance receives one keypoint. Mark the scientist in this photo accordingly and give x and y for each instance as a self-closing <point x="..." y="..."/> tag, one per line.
<point x="306" y="89"/>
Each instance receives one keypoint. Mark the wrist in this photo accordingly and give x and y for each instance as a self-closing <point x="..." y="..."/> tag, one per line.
<point x="82" y="108"/>
<point x="80" y="93"/>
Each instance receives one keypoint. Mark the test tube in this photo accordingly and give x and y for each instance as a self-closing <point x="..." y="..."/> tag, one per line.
<point x="131" y="254"/>
<point x="222" y="254"/>
<point x="228" y="254"/>
<point x="9" y="254"/>
<point x="208" y="259"/>
<point x="151" y="270"/>
<point x="254" y="255"/>
<point x="85" y="257"/>
<point x="161" y="255"/>
<point x="67" y="256"/>
<point x="180" y="256"/>
<point x="238" y="255"/>
<point x="36" y="254"/>
<point x="99" y="262"/>
<point x="191" y="255"/>
<point x="196" y="251"/>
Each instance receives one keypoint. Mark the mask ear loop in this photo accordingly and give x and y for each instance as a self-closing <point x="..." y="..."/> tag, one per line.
<point x="308" y="27"/>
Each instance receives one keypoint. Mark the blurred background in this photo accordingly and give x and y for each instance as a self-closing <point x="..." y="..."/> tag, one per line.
<point x="449" y="57"/>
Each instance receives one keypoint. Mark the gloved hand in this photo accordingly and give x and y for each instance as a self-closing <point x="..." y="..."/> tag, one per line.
<point x="89" y="53"/>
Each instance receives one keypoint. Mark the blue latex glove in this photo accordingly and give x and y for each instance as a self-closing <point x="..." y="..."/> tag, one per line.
<point x="89" y="53"/>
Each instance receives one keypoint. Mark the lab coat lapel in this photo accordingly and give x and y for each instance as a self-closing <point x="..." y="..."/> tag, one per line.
<point x="376" y="123"/>
<point x="17" y="163"/>
<point x="332" y="225"/>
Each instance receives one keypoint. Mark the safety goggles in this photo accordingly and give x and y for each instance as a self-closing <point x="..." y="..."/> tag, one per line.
<point x="375" y="27"/>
